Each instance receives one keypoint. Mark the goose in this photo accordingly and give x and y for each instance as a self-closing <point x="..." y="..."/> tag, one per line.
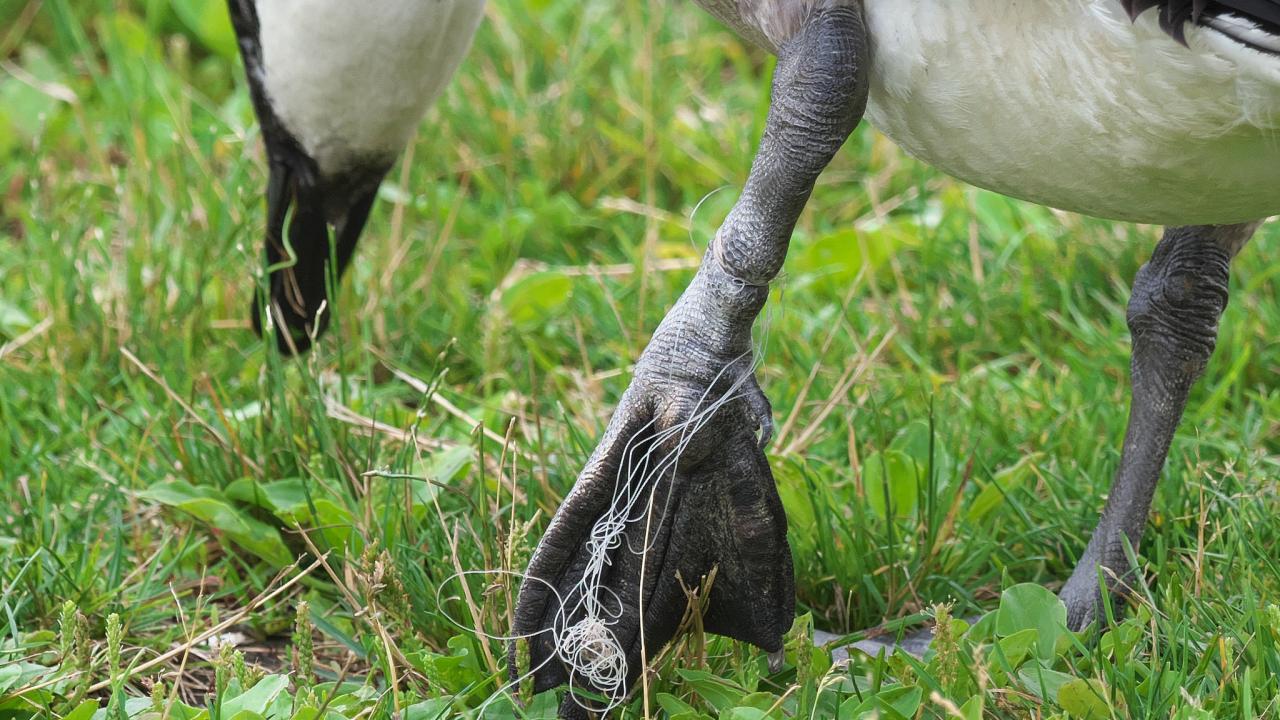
<point x="339" y="88"/>
<point x="1150" y="111"/>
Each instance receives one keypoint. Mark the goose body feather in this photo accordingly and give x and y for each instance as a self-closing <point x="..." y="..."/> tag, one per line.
<point x="1075" y="104"/>
<point x="351" y="80"/>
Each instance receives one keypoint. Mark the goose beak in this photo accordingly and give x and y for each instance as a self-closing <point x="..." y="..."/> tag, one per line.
<point x="306" y="261"/>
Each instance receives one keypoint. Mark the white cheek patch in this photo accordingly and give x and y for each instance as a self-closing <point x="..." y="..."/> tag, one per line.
<point x="351" y="80"/>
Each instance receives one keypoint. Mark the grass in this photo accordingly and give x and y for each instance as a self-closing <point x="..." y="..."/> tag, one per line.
<point x="175" y="493"/>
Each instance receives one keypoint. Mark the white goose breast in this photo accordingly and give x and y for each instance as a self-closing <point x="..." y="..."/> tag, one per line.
<point x="351" y="80"/>
<point x="1070" y="104"/>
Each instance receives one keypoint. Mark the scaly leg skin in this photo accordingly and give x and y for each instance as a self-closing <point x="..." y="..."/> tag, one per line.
<point x="1177" y="300"/>
<point x="717" y="506"/>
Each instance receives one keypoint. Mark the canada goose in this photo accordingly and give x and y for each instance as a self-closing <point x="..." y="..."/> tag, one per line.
<point x="339" y="88"/>
<point x="1156" y="111"/>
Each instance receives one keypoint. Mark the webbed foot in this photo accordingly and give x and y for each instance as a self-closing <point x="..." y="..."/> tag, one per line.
<point x="678" y="486"/>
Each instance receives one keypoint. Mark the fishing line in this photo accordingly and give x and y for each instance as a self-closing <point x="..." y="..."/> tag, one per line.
<point x="588" y="647"/>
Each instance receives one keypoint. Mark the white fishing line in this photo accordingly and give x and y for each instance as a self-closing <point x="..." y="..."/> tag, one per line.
<point x="461" y="576"/>
<point x="588" y="647"/>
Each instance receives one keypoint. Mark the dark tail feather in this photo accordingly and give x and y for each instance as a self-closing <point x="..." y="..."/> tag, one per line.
<point x="299" y="283"/>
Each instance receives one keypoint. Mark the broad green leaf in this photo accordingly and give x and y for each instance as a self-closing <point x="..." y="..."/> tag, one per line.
<point x="898" y="703"/>
<point x="983" y="630"/>
<point x="433" y="709"/>
<point x="1043" y="682"/>
<point x="8" y="140"/>
<point x="13" y="320"/>
<point x="762" y="700"/>
<point x="1032" y="607"/>
<point x="257" y="699"/>
<point x="446" y="464"/>
<point x="83" y="711"/>
<point x="906" y="703"/>
<point x="181" y="711"/>
<point x="673" y="705"/>
<point x="500" y="708"/>
<point x="719" y="693"/>
<point x="744" y="713"/>
<point x="211" y="507"/>
<point x="428" y="474"/>
<point x="915" y="440"/>
<point x="287" y="500"/>
<point x="891" y="479"/>
<point x="544" y="706"/>
<point x="10" y="675"/>
<point x="133" y="707"/>
<point x="39" y="637"/>
<point x="24" y="707"/>
<point x="993" y="493"/>
<point x="1084" y="699"/>
<point x="15" y="675"/>
<point x="1015" y="648"/>
<point x="456" y="671"/>
<point x="277" y="496"/>
<point x="209" y="22"/>
<point x="10" y="11"/>
<point x="797" y="500"/>
<point x="1118" y="643"/>
<point x="534" y="298"/>
<point x="834" y="260"/>
<point x="131" y="34"/>
<point x="27" y="111"/>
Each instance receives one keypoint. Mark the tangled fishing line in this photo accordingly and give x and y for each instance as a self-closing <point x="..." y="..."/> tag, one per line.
<point x="589" y="647"/>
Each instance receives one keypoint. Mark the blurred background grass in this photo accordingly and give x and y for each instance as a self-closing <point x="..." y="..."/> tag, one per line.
<point x="160" y="464"/>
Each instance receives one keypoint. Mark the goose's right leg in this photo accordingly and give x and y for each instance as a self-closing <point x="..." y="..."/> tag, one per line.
<point x="1177" y="300"/>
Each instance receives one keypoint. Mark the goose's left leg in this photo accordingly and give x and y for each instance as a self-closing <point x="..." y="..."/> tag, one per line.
<point x="679" y="484"/>
<point x="1178" y="297"/>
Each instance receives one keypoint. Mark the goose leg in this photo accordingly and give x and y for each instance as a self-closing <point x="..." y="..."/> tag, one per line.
<point x="682" y="445"/>
<point x="1178" y="297"/>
